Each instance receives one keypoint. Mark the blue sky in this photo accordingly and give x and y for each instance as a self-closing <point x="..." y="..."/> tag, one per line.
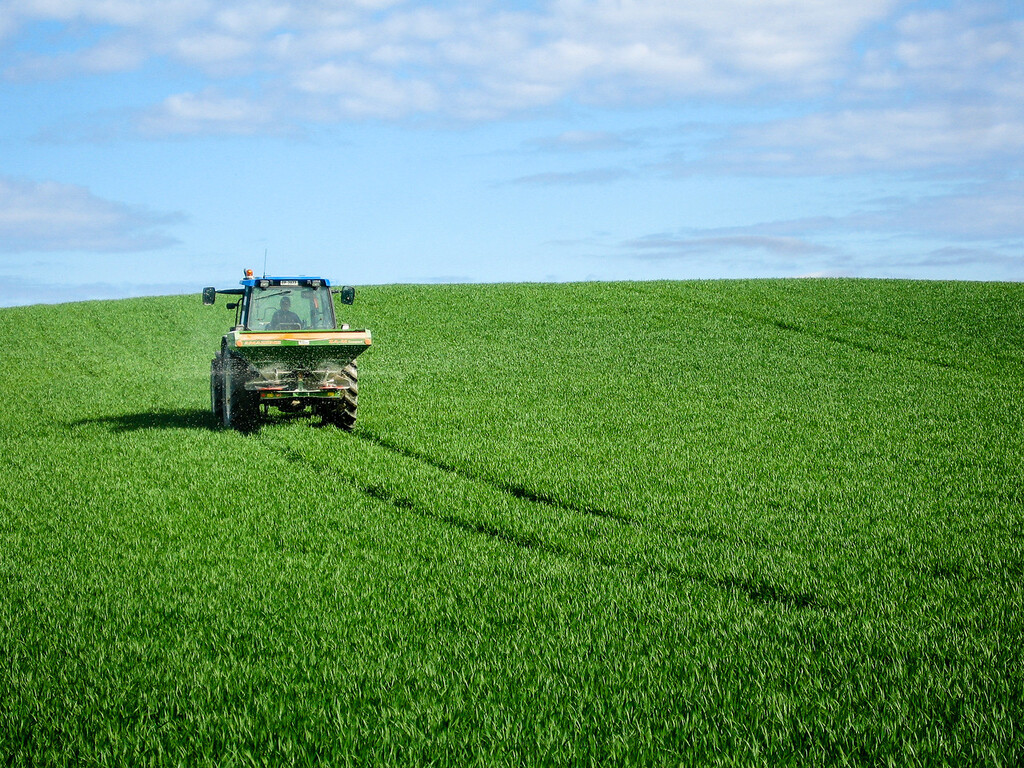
<point x="156" y="146"/>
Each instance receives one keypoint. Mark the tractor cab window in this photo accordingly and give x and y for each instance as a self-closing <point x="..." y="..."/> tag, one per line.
<point x="290" y="308"/>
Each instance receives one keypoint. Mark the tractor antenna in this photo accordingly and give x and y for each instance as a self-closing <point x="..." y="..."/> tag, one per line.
<point x="264" y="262"/>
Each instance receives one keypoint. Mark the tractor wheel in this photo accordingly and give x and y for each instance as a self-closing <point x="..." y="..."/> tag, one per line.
<point x="241" y="408"/>
<point x="342" y="412"/>
<point x="216" y="389"/>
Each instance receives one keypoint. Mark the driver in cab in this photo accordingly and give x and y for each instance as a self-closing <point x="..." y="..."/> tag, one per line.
<point x="284" y="318"/>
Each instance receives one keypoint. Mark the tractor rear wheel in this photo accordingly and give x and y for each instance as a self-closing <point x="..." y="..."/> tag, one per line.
<point x="342" y="412"/>
<point x="216" y="389"/>
<point x="240" y="408"/>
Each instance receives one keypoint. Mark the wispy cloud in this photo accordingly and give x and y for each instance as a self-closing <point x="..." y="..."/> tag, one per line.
<point x="974" y="212"/>
<point x="666" y="246"/>
<point x="48" y="216"/>
<point x="571" y="178"/>
<point x="962" y="257"/>
<point x="583" y="141"/>
<point x="983" y="224"/>
<point x="989" y="211"/>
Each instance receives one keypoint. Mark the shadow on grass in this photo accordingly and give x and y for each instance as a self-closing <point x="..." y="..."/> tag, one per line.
<point x="408" y="505"/>
<point x="181" y="418"/>
<point x="186" y="418"/>
<point x="767" y="594"/>
<point x="509" y="487"/>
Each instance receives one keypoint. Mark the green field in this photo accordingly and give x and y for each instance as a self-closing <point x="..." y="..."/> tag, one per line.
<point x="734" y="523"/>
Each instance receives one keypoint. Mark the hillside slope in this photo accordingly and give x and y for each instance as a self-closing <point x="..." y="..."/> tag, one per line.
<point x="726" y="522"/>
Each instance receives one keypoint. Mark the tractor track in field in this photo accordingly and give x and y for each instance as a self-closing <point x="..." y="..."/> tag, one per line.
<point x="402" y="503"/>
<point x="759" y="320"/>
<point x="380" y="492"/>
<point x="197" y="419"/>
<point x="756" y="590"/>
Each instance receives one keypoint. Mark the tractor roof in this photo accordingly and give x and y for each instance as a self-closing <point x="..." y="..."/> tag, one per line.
<point x="276" y="280"/>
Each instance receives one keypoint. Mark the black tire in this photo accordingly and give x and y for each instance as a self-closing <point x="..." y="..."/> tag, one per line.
<point x="216" y="389"/>
<point x="241" y="408"/>
<point x="342" y="412"/>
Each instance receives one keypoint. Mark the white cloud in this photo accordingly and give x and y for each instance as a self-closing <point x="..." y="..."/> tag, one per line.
<point x="362" y="92"/>
<point x="208" y="49"/>
<point x="251" y="19"/>
<point x="48" y="216"/>
<point x="471" y="60"/>
<point x="161" y="17"/>
<point x="207" y="112"/>
<point x="942" y="90"/>
<point x="938" y="88"/>
<point x="746" y="40"/>
<point x="966" y="51"/>
<point x="115" y="56"/>
<point x="918" y="136"/>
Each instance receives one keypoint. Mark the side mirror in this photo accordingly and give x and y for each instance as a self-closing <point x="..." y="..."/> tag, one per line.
<point x="232" y="305"/>
<point x="209" y="296"/>
<point x="348" y="294"/>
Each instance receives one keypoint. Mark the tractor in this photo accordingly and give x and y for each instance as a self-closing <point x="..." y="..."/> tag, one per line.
<point x="285" y="351"/>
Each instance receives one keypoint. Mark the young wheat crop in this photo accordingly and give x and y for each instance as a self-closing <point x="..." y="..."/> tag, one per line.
<point x="722" y="523"/>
